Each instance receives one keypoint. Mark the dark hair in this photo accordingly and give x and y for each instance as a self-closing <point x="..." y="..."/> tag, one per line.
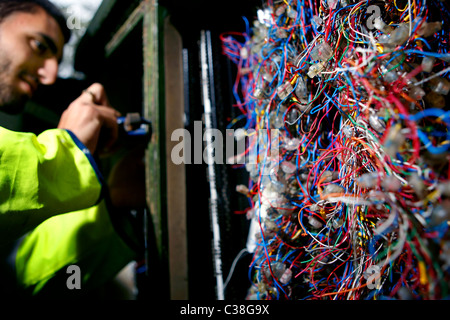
<point x="8" y="7"/>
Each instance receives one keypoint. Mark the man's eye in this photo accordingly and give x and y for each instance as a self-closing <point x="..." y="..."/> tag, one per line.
<point x="39" y="46"/>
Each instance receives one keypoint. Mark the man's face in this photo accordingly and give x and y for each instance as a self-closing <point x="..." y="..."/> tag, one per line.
<point x="31" y="46"/>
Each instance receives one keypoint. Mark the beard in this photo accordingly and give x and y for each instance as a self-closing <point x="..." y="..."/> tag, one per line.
<point x="11" y="101"/>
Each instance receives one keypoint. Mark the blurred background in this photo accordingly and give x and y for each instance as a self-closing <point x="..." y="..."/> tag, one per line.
<point x="79" y="13"/>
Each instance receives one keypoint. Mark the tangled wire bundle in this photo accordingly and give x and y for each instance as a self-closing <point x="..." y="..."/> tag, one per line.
<point x="344" y="109"/>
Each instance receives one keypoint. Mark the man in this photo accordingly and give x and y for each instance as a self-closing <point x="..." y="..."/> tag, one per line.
<point x="51" y="210"/>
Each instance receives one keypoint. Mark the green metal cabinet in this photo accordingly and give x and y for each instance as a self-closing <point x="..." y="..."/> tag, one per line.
<point x="147" y="55"/>
<point x="123" y="49"/>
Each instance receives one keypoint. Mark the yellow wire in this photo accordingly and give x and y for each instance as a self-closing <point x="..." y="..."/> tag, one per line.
<point x="395" y="3"/>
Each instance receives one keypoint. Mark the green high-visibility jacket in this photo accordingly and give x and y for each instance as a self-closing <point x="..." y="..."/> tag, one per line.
<point x="50" y="195"/>
<point x="42" y="176"/>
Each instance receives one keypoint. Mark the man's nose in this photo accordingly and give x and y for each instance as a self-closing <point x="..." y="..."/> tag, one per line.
<point x="48" y="73"/>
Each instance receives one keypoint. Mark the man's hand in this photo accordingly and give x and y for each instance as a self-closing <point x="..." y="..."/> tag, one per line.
<point x="91" y="118"/>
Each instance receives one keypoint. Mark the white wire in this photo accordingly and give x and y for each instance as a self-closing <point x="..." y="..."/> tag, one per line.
<point x="431" y="77"/>
<point x="233" y="266"/>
